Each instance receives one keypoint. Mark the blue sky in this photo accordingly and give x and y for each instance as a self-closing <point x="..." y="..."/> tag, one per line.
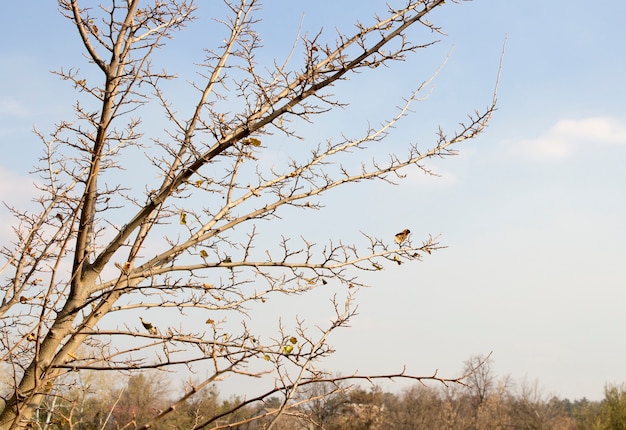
<point x="533" y="212"/>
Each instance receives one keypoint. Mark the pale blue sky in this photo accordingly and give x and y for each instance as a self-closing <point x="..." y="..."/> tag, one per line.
<point x="533" y="212"/>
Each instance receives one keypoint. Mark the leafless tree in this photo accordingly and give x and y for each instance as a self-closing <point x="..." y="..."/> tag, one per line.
<point x="417" y="407"/>
<point x="482" y="380"/>
<point x="181" y="250"/>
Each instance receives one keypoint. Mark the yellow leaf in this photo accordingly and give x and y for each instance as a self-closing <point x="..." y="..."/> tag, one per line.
<point x="203" y="253"/>
<point x="293" y="340"/>
<point x="252" y="141"/>
<point x="287" y="349"/>
<point x="266" y="357"/>
<point x="199" y="183"/>
<point x="210" y="321"/>
<point x="183" y="218"/>
<point x="123" y="268"/>
<point x="148" y="326"/>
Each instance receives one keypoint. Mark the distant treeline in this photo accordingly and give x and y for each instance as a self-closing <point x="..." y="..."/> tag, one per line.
<point x="99" y="402"/>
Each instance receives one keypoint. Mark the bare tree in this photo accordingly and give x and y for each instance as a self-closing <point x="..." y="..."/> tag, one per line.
<point x="482" y="380"/>
<point x="532" y="409"/>
<point x="182" y="251"/>
<point x="417" y="407"/>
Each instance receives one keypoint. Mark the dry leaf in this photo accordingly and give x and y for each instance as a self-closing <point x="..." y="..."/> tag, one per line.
<point x="252" y="141"/>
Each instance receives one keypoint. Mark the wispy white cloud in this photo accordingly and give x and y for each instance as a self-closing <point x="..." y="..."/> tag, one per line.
<point x="12" y="108"/>
<point x="567" y="137"/>
<point x="15" y="191"/>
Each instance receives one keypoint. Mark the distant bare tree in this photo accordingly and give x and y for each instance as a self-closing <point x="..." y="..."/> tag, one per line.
<point x="532" y="409"/>
<point x="184" y="253"/>
<point x="416" y="408"/>
<point x="481" y="380"/>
